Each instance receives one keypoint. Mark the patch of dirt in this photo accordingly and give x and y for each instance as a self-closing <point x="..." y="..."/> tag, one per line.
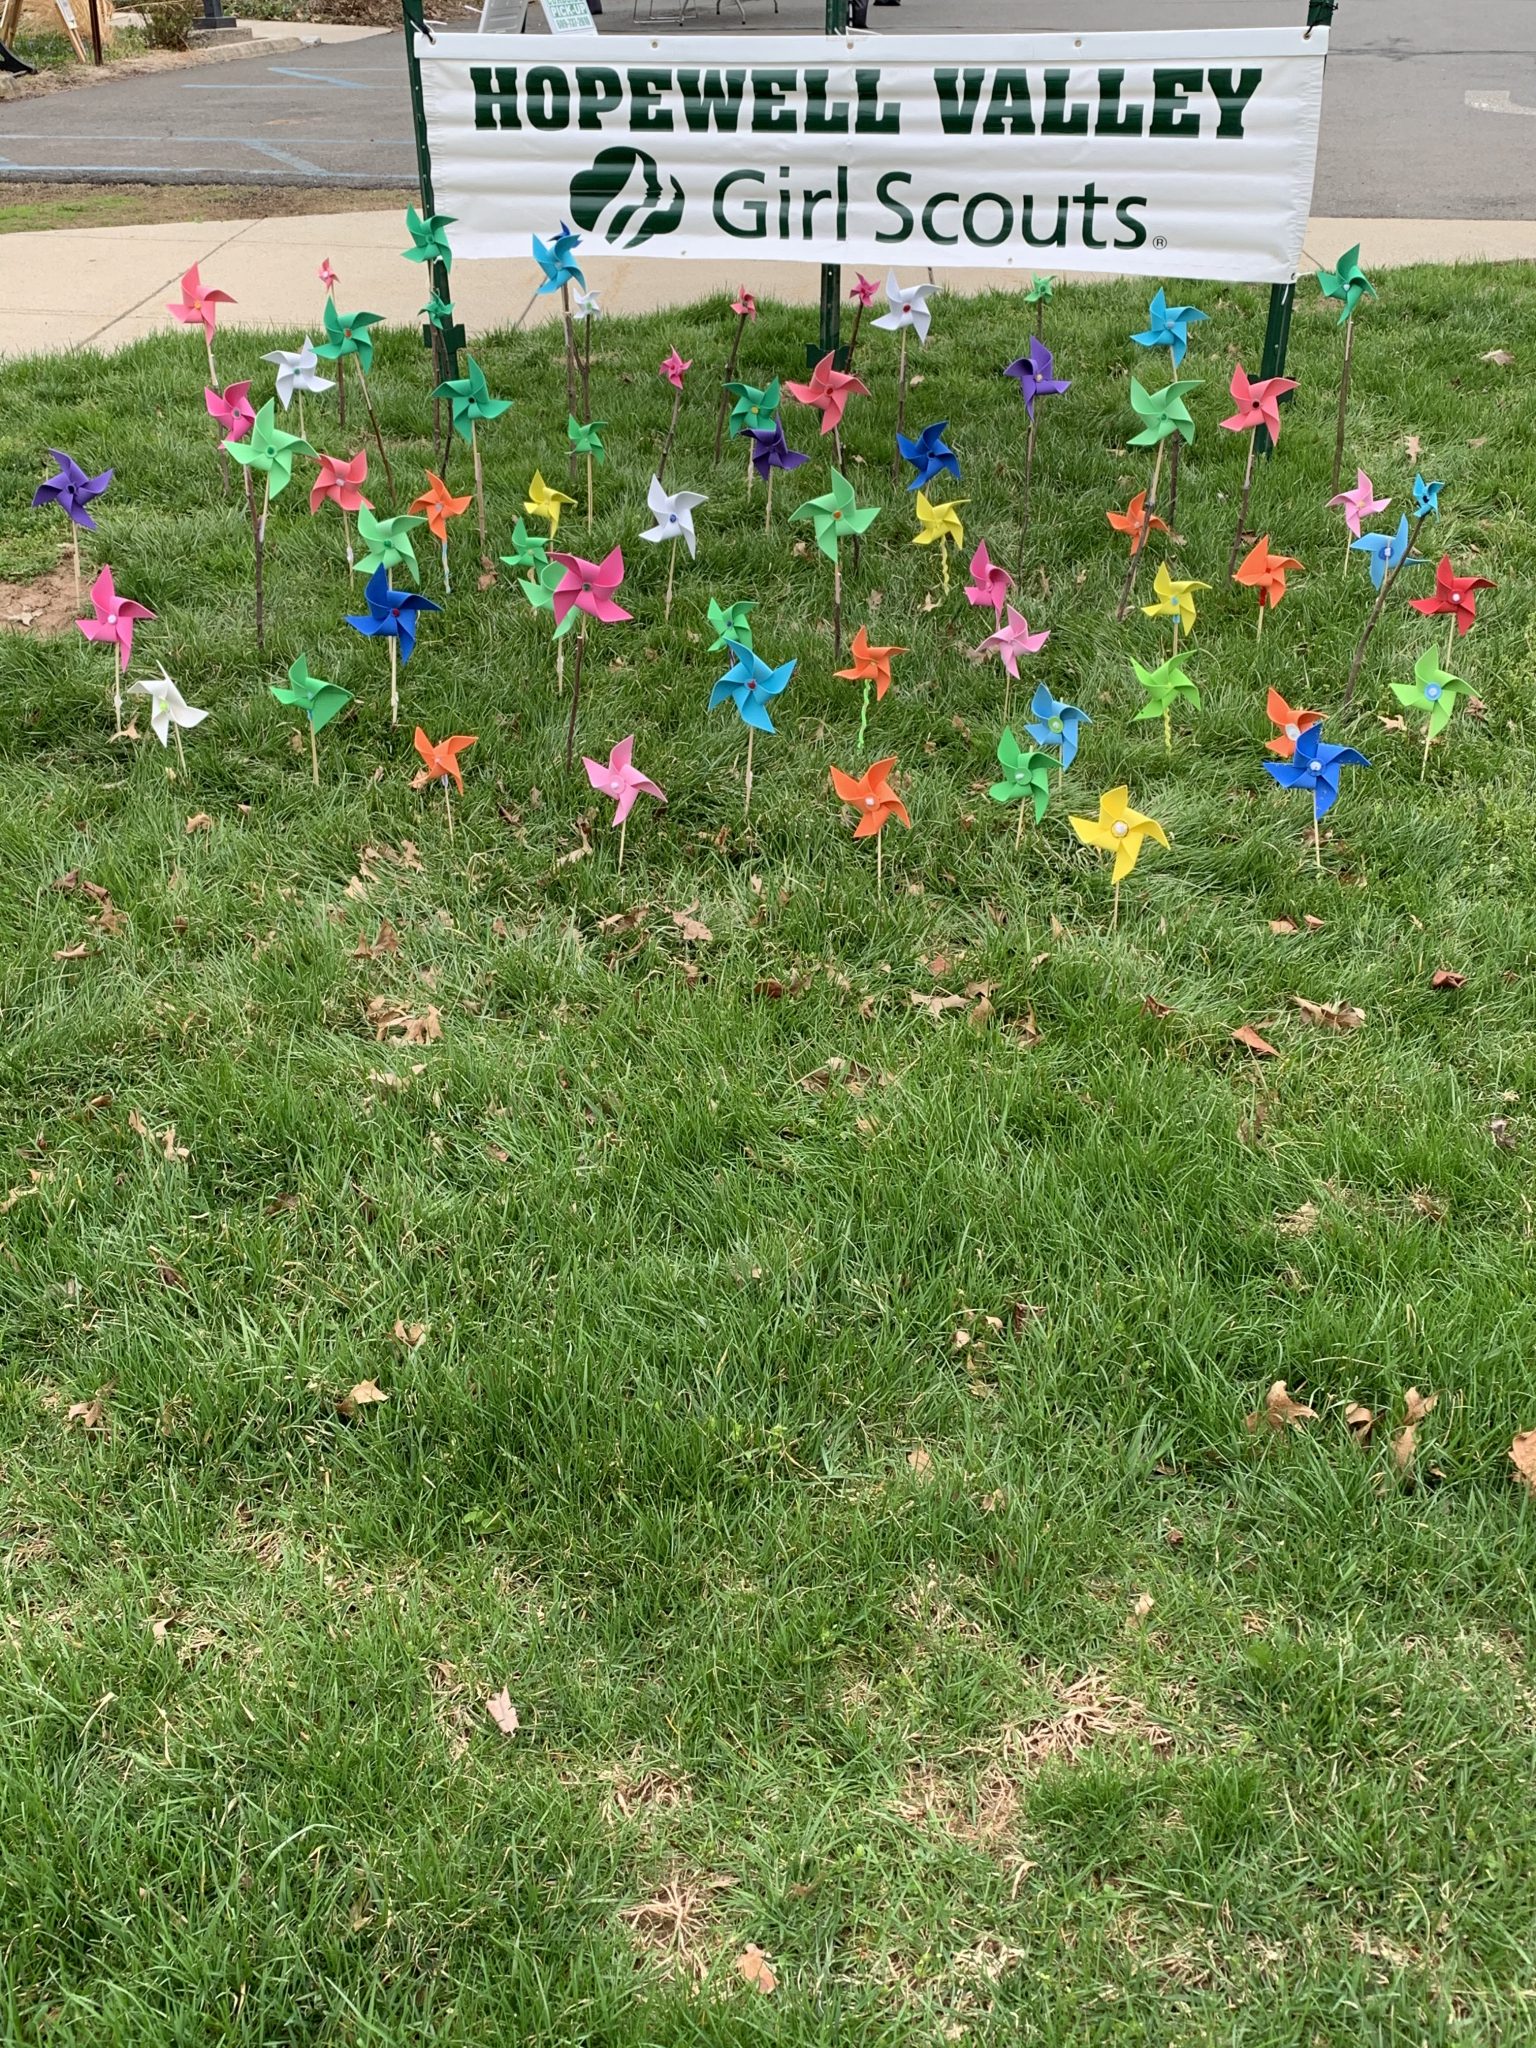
<point x="1088" y="1711"/>
<point x="635" y="1791"/>
<point x="671" y="1927"/>
<point x="42" y="607"/>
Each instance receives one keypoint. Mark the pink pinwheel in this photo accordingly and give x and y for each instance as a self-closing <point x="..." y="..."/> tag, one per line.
<point x="1012" y="639"/>
<point x="113" y="626"/>
<point x="198" y="307"/>
<point x="232" y="409"/>
<point x="622" y="780"/>
<point x="829" y="391"/>
<point x="588" y="588"/>
<point x="327" y="275"/>
<point x="1258" y="402"/>
<point x="866" y="291"/>
<point x="744" y="306"/>
<point x="673" y="369"/>
<point x="990" y="583"/>
<point x="863" y="295"/>
<point x="340" y="483"/>
<point x="1360" y="503"/>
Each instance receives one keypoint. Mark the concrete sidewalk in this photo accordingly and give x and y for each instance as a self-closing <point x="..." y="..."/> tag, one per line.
<point x="89" y="288"/>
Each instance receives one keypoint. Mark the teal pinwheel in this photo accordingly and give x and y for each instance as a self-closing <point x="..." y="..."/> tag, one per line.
<point x="1346" y="284"/>
<point x="319" y="701"/>
<point x="347" y="334"/>
<point x="470" y="397"/>
<point x="269" y="451"/>
<point x="731" y="624"/>
<point x="1433" y="692"/>
<point x="1026" y="774"/>
<point x="753" y="410"/>
<point x="1166" y="687"/>
<point x="836" y="514"/>
<point x="1164" y="411"/>
<point x="529" y="550"/>
<point x="555" y="260"/>
<point x="388" y="542"/>
<point x="429" y="238"/>
<point x="438" y="312"/>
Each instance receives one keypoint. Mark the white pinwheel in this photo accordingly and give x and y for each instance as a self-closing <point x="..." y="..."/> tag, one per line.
<point x="167" y="707"/>
<point x="584" y="303"/>
<point x="298" y="370"/>
<point x="673" y="512"/>
<point x="908" y="307"/>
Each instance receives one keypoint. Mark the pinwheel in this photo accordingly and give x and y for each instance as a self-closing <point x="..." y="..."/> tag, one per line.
<point x="269" y="451"/>
<point x="1035" y="374"/>
<point x="560" y="273"/>
<point x="833" y="515"/>
<point x="1026" y="774"/>
<point x="545" y="502"/>
<point x="1041" y="291"/>
<point x="1433" y="692"/>
<point x="1175" y="600"/>
<point x="871" y="666"/>
<point x="1165" y="414"/>
<point x="876" y="803"/>
<point x="429" y="238"/>
<point x="864" y="293"/>
<point x="1289" y="724"/>
<point x="199" y="308"/>
<point x="588" y="441"/>
<point x="437" y="505"/>
<point x="470" y="397"/>
<point x="749" y="683"/>
<point x="1166" y="687"/>
<point x="529" y="550"/>
<point x="72" y="490"/>
<point x="588" y="589"/>
<point x="1453" y="597"/>
<point x="1136" y="520"/>
<point x="1314" y="766"/>
<point x="673" y="513"/>
<point x="730" y="622"/>
<point x="340" y="484"/>
<point x="744" y="306"/>
<point x="298" y="371"/>
<point x="939" y="525"/>
<point x="1265" y="573"/>
<point x="1168" y="327"/>
<point x="1121" y="831"/>
<point x="327" y="276"/>
<point x="990" y="583"/>
<point x="1360" y="503"/>
<point x="1258" y="411"/>
<point x="169" y="711"/>
<point x="770" y="452"/>
<point x="672" y="371"/>
<point x="1346" y="285"/>
<point x="348" y="339"/>
<point x="319" y="701"/>
<point x="391" y="616"/>
<point x="388" y="542"/>
<point x="1389" y="554"/>
<point x="754" y="411"/>
<point x="1052" y="723"/>
<point x="909" y="313"/>
<point x="1426" y="498"/>
<point x="619" y="778"/>
<point x="113" y="627"/>
<point x="440" y="764"/>
<point x="587" y="306"/>
<point x="930" y="456"/>
<point x="829" y="391"/>
<point x="1012" y="639"/>
<point x="233" y="417"/>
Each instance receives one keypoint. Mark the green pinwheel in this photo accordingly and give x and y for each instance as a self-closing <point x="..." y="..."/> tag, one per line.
<point x="319" y="701"/>
<point x="588" y="441"/>
<point x="429" y="238"/>
<point x="1041" y="291"/>
<point x="438" y="312"/>
<point x="1346" y="284"/>
<point x="1026" y="773"/>
<point x="470" y="397"/>
<point x="753" y="411"/>
<point x="834" y="515"/>
<point x="731" y="623"/>
<point x="269" y="451"/>
<point x="1165" y="686"/>
<point x="1433" y="692"/>
<point x="388" y="542"/>
<point x="347" y="335"/>
<point x="529" y="550"/>
<point x="1164" y="411"/>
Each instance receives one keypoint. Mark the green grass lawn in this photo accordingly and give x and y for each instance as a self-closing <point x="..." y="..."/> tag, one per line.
<point x="826" y="1629"/>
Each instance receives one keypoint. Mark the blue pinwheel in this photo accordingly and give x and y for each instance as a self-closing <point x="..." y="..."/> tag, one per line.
<point x="1387" y="551"/>
<point x="1054" y="724"/>
<point x="930" y="455"/>
<point x="555" y="261"/>
<point x="749" y="683"/>
<point x="1426" y="498"/>
<point x="1168" y="326"/>
<point x="1314" y="766"/>
<point x="391" y="615"/>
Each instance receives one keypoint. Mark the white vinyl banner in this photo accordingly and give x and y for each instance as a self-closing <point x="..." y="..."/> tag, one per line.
<point x="1187" y="154"/>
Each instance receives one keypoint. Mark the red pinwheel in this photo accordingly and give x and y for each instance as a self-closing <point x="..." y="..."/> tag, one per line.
<point x="1454" y="597"/>
<point x="113" y="626"/>
<point x="1265" y="573"/>
<point x="198" y="307"/>
<point x="588" y="588"/>
<point x="340" y="484"/>
<point x="1289" y="724"/>
<point x="829" y="391"/>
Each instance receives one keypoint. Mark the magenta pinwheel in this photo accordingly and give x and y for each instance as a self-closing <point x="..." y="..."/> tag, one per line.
<point x="990" y="583"/>
<point x="619" y="778"/>
<point x="674" y="369"/>
<point x="113" y="627"/>
<point x="586" y="589"/>
<point x="231" y="408"/>
<point x="198" y="307"/>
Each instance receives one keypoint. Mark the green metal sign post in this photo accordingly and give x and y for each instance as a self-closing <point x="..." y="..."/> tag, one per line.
<point x="831" y="273"/>
<point x="446" y="341"/>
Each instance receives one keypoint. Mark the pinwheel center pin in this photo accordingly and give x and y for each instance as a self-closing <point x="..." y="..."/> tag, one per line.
<point x="1432" y="691"/>
<point x="1055" y="725"/>
<point x="1119" y="828"/>
<point x="1293" y="732"/>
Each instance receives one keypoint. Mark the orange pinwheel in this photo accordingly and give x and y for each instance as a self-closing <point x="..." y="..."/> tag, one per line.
<point x="1289" y="724"/>
<point x="438" y="505"/>
<point x="1134" y="518"/>
<point x="1265" y="573"/>
<point x="442" y="758"/>
<point x="872" y="797"/>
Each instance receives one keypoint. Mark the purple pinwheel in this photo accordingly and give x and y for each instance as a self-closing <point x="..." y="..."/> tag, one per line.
<point x="1033" y="375"/>
<point x="1314" y="766"/>
<point x="770" y="451"/>
<point x="71" y="490"/>
<point x="391" y="615"/>
<point x="930" y="455"/>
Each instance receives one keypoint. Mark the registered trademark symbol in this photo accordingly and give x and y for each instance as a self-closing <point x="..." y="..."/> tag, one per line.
<point x="1159" y="241"/>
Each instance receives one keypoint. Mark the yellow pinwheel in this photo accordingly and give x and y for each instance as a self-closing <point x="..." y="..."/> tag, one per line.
<point x="543" y="502"/>
<point x="1121" y="831"/>
<point x="1176" y="601"/>
<point x="941" y="524"/>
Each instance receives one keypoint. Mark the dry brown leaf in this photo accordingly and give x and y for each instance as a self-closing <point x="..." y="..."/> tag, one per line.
<point x="393" y="1023"/>
<point x="1313" y="924"/>
<point x="408" y="1334"/>
<point x="1143" y="1607"/>
<point x="366" y="1394"/>
<point x="386" y="940"/>
<point x="848" y="1073"/>
<point x="752" y="1966"/>
<point x="1446" y="977"/>
<point x="76" y="952"/>
<point x="1415" y="1407"/>
<point x="1502" y="1135"/>
<point x="91" y="1415"/>
<point x="199" y="822"/>
<point x="1280" y="1411"/>
<point x="1359" y="1420"/>
<point x="1154" y="1008"/>
<point x="1522" y="1455"/>
<point x="1499" y="357"/>
<point x="1338" y="1016"/>
<point x="576" y="853"/>
<point x="1299" y="1222"/>
<point x="693" y="931"/>
<point x="501" y="1710"/>
<point x="935" y="1001"/>
<point x="919" y="1464"/>
<point x="1250" y="1041"/>
<point x="168" y="1276"/>
<point x="1282" y="927"/>
<point x="1412" y="446"/>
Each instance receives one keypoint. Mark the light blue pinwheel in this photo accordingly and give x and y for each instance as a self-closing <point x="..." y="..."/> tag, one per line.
<point x="1052" y="723"/>
<point x="1168" y="326"/>
<point x="1387" y="552"/>
<point x="930" y="455"/>
<point x="1426" y="498"/>
<point x="555" y="261"/>
<point x="749" y="683"/>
